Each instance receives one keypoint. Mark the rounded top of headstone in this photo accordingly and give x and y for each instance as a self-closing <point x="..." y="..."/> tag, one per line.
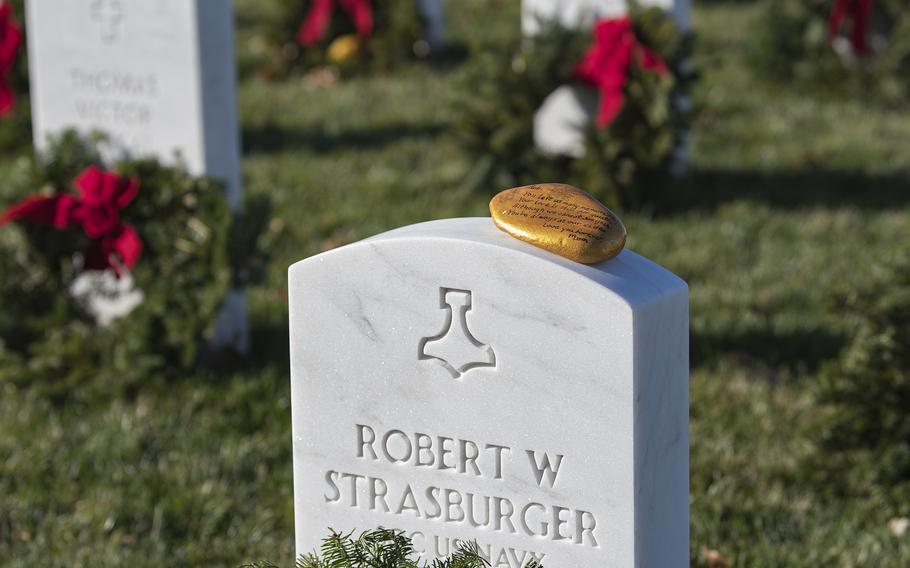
<point x="562" y="219"/>
<point x="476" y="244"/>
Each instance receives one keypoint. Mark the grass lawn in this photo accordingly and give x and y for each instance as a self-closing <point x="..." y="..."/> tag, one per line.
<point x="792" y="205"/>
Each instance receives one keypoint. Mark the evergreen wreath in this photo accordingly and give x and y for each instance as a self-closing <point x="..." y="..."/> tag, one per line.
<point x="191" y="250"/>
<point x="383" y="548"/>
<point x="833" y="47"/>
<point x="395" y="36"/>
<point x="627" y="161"/>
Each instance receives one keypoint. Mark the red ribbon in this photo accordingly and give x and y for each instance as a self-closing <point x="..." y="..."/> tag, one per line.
<point x="317" y="20"/>
<point x="606" y="64"/>
<point x="97" y="210"/>
<point x="860" y="12"/>
<point x="10" y="41"/>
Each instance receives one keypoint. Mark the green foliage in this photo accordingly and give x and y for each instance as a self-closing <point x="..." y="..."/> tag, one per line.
<point x="397" y="26"/>
<point x="185" y="272"/>
<point x="794" y="46"/>
<point x="625" y="163"/>
<point x="866" y="435"/>
<point x="386" y="548"/>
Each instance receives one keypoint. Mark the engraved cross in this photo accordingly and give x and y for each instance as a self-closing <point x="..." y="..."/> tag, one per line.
<point x="109" y="15"/>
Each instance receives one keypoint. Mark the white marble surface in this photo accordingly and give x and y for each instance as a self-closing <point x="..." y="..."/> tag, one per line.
<point x="582" y="13"/>
<point x="433" y="367"/>
<point x="158" y="78"/>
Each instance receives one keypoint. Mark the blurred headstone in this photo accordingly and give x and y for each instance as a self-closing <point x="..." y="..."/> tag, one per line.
<point x="581" y="14"/>
<point x="157" y="78"/>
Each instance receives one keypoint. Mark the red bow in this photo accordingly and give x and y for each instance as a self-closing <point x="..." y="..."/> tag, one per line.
<point x="10" y="40"/>
<point x="317" y="20"/>
<point x="606" y="64"/>
<point x="101" y="197"/>
<point x="860" y="12"/>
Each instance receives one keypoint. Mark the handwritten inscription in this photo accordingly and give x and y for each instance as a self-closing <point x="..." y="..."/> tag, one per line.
<point x="576" y="221"/>
<point x="533" y="517"/>
<point x="561" y="219"/>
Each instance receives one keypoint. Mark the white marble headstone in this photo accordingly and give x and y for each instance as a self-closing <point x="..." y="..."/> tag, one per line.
<point x="156" y="76"/>
<point x="461" y="385"/>
<point x="579" y="14"/>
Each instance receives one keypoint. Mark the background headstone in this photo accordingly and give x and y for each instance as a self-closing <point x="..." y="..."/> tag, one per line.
<point x="581" y="14"/>
<point x="456" y="383"/>
<point x="157" y="77"/>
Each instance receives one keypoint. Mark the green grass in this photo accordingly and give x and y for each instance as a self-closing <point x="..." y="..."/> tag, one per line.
<point x="792" y="205"/>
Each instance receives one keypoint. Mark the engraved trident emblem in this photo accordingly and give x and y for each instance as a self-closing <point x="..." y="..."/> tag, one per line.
<point x="109" y="15"/>
<point x="455" y="347"/>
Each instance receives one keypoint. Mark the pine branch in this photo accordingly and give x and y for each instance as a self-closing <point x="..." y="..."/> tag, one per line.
<point x="383" y="548"/>
<point x="467" y="556"/>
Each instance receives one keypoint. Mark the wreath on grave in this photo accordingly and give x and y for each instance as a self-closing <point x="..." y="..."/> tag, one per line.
<point x="842" y="46"/>
<point x="113" y="274"/>
<point x="348" y="35"/>
<point x="631" y="74"/>
<point x="15" y="125"/>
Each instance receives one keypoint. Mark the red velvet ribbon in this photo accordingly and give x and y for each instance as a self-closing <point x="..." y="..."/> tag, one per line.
<point x="97" y="210"/>
<point x="860" y="12"/>
<point x="314" y="27"/>
<point x="606" y="64"/>
<point x="10" y="41"/>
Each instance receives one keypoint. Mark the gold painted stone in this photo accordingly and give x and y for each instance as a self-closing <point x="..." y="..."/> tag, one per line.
<point x="343" y="49"/>
<point x="560" y="218"/>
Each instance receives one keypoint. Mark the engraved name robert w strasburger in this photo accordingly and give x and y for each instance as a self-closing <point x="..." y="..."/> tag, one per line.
<point x="530" y="517"/>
